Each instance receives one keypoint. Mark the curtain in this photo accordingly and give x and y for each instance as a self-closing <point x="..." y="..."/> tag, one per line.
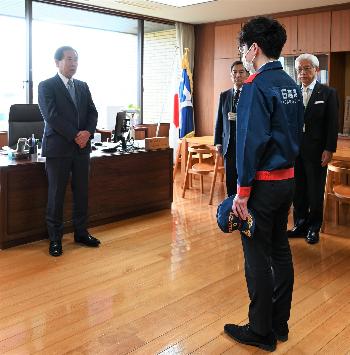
<point x="185" y="39"/>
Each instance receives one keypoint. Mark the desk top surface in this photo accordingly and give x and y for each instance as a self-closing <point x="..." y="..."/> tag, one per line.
<point x="37" y="159"/>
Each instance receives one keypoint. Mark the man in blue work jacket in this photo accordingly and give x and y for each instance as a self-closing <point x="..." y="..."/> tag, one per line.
<point x="269" y="129"/>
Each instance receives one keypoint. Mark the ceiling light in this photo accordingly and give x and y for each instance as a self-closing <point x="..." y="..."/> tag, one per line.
<point x="181" y="3"/>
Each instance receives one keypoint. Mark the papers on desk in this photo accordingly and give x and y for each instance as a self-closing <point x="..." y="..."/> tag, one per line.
<point x="116" y="148"/>
<point x="5" y="149"/>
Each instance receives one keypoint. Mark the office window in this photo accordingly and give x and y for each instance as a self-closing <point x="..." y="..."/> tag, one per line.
<point x="160" y="72"/>
<point x="12" y="58"/>
<point x="107" y="49"/>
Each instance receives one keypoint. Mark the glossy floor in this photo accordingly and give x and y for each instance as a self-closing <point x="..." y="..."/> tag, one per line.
<point x="163" y="283"/>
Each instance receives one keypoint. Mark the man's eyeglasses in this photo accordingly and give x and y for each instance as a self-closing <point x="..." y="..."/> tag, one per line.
<point x="305" y="69"/>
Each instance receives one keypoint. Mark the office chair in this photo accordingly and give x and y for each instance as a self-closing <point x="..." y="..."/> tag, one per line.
<point x="24" y="120"/>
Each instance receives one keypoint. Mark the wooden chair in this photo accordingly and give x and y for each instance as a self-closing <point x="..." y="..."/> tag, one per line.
<point x="218" y="169"/>
<point x="337" y="187"/>
<point x="201" y="168"/>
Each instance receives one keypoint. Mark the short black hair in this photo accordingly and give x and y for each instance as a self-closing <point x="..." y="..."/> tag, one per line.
<point x="268" y="33"/>
<point x="59" y="54"/>
<point x="236" y="62"/>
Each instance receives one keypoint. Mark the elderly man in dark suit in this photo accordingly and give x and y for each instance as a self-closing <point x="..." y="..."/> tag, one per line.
<point x="70" y="121"/>
<point x="225" y="128"/>
<point x="318" y="144"/>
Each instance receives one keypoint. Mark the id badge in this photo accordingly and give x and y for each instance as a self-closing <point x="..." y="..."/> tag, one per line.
<point x="232" y="116"/>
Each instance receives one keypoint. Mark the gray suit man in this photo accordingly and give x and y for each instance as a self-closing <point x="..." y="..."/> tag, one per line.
<point x="225" y="127"/>
<point x="70" y="120"/>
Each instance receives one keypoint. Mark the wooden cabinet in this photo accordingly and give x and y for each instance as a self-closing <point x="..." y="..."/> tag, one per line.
<point x="290" y="23"/>
<point x="226" y="44"/>
<point x="314" y="33"/>
<point x="225" y="53"/>
<point x="340" y="34"/>
<point x="309" y="33"/>
<point x="222" y="79"/>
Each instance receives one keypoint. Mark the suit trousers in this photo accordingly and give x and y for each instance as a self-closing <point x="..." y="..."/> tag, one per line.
<point x="230" y="169"/>
<point x="58" y="171"/>
<point x="268" y="260"/>
<point x="231" y="174"/>
<point x="310" y="181"/>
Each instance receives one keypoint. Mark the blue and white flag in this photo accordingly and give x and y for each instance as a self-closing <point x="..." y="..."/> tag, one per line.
<point x="185" y="96"/>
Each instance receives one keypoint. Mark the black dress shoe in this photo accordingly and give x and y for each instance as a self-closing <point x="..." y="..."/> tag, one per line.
<point x="243" y="334"/>
<point x="281" y="332"/>
<point x="88" y="240"/>
<point x="312" y="237"/>
<point x="55" y="248"/>
<point x="298" y="231"/>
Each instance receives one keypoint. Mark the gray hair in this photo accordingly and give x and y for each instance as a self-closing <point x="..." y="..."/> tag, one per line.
<point x="309" y="57"/>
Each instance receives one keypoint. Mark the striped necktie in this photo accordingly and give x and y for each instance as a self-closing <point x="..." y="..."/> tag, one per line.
<point x="71" y="90"/>
<point x="235" y="101"/>
<point x="306" y="96"/>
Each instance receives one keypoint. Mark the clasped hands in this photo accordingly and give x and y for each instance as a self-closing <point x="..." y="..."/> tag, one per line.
<point x="82" y="138"/>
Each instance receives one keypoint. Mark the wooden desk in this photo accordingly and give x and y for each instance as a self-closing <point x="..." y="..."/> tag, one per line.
<point x="120" y="186"/>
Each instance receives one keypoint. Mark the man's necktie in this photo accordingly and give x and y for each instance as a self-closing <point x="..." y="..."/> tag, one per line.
<point x="71" y="91"/>
<point x="235" y="101"/>
<point x="306" y="96"/>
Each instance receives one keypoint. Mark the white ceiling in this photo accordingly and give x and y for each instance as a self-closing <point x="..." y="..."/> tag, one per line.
<point x="218" y="10"/>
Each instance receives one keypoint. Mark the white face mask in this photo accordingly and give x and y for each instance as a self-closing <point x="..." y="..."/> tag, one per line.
<point x="248" y="65"/>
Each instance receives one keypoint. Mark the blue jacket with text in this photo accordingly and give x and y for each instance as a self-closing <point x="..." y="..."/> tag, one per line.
<point x="270" y="118"/>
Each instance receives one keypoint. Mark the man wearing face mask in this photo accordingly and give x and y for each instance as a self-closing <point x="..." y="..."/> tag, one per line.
<point x="225" y="128"/>
<point x="269" y="128"/>
<point x="318" y="144"/>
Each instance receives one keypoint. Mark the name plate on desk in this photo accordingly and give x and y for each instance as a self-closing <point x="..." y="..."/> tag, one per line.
<point x="156" y="143"/>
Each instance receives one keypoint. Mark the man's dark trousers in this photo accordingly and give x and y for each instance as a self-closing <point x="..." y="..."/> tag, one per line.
<point x="58" y="171"/>
<point x="268" y="259"/>
<point x="310" y="180"/>
<point x="230" y="163"/>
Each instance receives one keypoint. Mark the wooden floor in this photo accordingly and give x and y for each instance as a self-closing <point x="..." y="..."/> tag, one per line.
<point x="164" y="283"/>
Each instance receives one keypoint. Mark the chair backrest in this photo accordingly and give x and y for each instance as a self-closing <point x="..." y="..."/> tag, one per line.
<point x="24" y="120"/>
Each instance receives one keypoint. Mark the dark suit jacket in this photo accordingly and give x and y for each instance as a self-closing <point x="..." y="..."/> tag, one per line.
<point x="321" y="123"/>
<point x="222" y="127"/>
<point x="63" y="120"/>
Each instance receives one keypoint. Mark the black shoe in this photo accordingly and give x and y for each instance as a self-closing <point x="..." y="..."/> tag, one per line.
<point x="243" y="334"/>
<point x="88" y="240"/>
<point x="312" y="237"/>
<point x="298" y="231"/>
<point x="281" y="332"/>
<point x="55" y="248"/>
